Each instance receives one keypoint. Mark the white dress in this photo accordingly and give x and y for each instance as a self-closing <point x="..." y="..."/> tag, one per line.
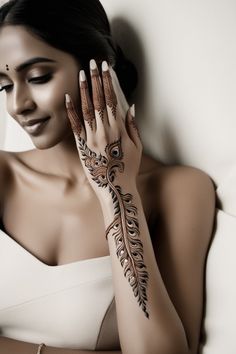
<point x="70" y="305"/>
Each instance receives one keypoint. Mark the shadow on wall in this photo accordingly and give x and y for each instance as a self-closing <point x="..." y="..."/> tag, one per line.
<point x="159" y="139"/>
<point x="127" y="38"/>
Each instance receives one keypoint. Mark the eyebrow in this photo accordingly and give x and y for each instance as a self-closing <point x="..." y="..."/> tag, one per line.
<point x="28" y="63"/>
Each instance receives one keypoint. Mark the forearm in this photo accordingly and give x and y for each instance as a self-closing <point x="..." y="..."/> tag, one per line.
<point x="145" y="326"/>
<point x="8" y="345"/>
<point x="147" y="320"/>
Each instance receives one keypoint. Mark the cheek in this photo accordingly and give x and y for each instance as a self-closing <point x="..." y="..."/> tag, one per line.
<point x="52" y="97"/>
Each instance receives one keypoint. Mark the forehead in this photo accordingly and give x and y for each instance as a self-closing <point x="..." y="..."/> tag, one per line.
<point x="18" y="45"/>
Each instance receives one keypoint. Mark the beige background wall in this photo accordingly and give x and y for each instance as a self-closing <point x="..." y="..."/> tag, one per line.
<point x="186" y="54"/>
<point x="185" y="51"/>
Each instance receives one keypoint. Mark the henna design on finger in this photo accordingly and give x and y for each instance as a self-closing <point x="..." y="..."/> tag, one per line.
<point x="134" y="124"/>
<point x="87" y="106"/>
<point x="98" y="98"/>
<point x="125" y="226"/>
<point x="110" y="95"/>
<point x="73" y="117"/>
<point x="75" y="123"/>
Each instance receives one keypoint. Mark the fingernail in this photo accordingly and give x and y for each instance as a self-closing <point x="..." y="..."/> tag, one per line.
<point x="132" y="110"/>
<point x="82" y="76"/>
<point x="93" y="65"/>
<point x="105" y="66"/>
<point x="68" y="100"/>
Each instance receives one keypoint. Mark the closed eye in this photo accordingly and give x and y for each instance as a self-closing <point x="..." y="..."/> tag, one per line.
<point x="6" y="88"/>
<point x="41" y="79"/>
<point x="36" y="80"/>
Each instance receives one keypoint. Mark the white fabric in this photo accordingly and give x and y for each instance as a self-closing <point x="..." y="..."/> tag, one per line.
<point x="220" y="318"/>
<point x="62" y="306"/>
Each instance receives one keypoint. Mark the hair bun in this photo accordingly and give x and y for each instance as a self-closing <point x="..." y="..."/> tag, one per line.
<point x="126" y="73"/>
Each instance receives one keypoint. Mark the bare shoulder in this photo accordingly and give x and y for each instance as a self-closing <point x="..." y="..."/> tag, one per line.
<point x="177" y="185"/>
<point x="10" y="164"/>
<point x="186" y="201"/>
<point x="185" y="186"/>
<point x="183" y="205"/>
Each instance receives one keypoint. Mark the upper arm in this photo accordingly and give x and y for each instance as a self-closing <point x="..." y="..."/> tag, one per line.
<point x="181" y="241"/>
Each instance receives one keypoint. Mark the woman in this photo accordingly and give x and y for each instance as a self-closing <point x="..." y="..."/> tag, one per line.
<point x="102" y="247"/>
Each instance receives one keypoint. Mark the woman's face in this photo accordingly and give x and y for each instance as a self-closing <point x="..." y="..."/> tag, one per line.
<point x="36" y="77"/>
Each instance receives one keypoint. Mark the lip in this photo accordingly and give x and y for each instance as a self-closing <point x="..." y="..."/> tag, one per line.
<point x="33" y="121"/>
<point x="35" y="126"/>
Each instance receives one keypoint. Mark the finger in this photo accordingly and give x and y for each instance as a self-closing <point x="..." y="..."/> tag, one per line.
<point x="132" y="128"/>
<point x="123" y="104"/>
<point x="75" y="120"/>
<point x="86" y="104"/>
<point x="110" y="95"/>
<point x="98" y="96"/>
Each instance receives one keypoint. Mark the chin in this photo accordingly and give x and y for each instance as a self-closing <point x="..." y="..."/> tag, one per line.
<point x="43" y="142"/>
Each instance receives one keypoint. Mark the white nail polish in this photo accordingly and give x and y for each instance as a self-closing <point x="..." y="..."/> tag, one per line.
<point x="93" y="65"/>
<point x="68" y="100"/>
<point x="105" y="66"/>
<point x="132" y="110"/>
<point x="82" y="76"/>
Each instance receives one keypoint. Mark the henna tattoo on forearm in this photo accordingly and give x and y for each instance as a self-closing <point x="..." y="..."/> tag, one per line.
<point x="125" y="227"/>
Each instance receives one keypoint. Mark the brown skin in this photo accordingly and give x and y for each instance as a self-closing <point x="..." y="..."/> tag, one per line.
<point x="59" y="203"/>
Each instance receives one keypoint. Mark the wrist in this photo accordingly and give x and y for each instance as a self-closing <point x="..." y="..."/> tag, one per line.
<point x="114" y="202"/>
<point x="107" y="199"/>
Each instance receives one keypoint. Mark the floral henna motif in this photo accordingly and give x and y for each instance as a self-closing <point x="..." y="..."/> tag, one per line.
<point x="125" y="227"/>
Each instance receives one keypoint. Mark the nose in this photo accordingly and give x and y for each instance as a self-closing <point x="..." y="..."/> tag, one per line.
<point x="22" y="102"/>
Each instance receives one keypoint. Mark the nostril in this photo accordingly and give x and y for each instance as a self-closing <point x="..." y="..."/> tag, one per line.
<point x="23" y="108"/>
<point x="26" y="111"/>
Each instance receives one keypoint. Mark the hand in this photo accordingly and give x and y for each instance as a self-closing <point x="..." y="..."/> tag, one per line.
<point x="106" y="136"/>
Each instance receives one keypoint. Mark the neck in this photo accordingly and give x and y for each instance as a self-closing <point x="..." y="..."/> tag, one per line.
<point x="63" y="160"/>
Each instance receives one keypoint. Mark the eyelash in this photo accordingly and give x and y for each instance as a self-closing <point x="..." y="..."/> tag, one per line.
<point x="37" y="80"/>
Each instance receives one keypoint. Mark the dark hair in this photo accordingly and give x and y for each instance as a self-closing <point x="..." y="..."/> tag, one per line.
<point x="78" y="27"/>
